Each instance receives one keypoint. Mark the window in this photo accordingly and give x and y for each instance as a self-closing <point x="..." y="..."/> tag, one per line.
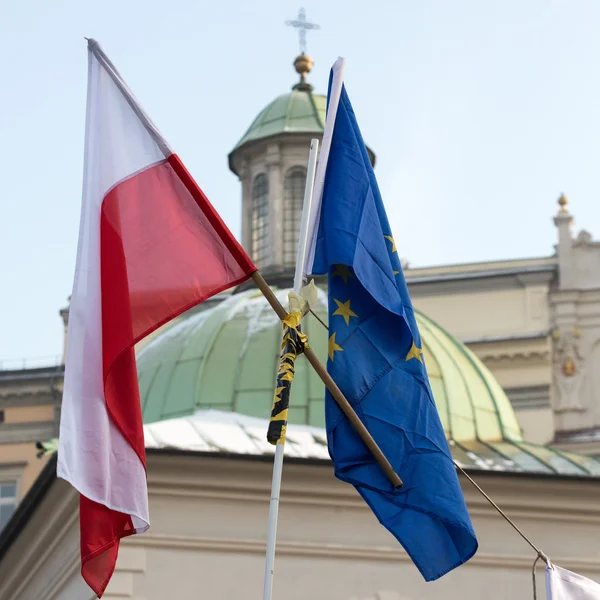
<point x="260" y="219"/>
<point x="8" y="501"/>
<point x="293" y="198"/>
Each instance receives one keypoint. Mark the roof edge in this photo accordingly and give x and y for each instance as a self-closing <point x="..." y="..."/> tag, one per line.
<point x="319" y="462"/>
<point x="27" y="507"/>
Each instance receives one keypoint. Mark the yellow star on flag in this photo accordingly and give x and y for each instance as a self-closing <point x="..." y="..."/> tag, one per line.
<point x="342" y="271"/>
<point x="332" y="347"/>
<point x="389" y="237"/>
<point x="415" y="352"/>
<point x="344" y="310"/>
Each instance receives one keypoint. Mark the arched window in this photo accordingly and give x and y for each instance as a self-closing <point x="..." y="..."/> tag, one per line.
<point x="260" y="219"/>
<point x="293" y="198"/>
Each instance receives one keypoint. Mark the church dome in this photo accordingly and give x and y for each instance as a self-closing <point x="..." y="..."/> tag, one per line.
<point x="300" y="111"/>
<point x="225" y="358"/>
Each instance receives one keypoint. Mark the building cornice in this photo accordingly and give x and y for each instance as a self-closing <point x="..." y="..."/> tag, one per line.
<point x="480" y="277"/>
<point x="18" y="433"/>
<point x="44" y="374"/>
<point x="338" y="551"/>
<point x="251" y="477"/>
<point x="485" y="269"/>
<point x="540" y="335"/>
<point x="33" y="398"/>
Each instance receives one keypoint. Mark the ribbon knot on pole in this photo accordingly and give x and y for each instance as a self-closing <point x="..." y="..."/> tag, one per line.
<point x="292" y="345"/>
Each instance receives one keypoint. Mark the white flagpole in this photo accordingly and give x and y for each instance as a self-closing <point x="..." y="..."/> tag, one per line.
<point x="306" y="212"/>
<point x="278" y="462"/>
<point x="338" y="68"/>
<point x="304" y="260"/>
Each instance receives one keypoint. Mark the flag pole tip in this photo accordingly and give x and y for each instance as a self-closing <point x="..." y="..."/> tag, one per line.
<point x="339" y="64"/>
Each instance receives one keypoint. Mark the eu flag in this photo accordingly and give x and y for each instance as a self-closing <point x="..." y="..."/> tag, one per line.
<point x="375" y="357"/>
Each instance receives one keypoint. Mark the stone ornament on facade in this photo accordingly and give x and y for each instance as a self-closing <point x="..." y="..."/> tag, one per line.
<point x="568" y="365"/>
<point x="583" y="239"/>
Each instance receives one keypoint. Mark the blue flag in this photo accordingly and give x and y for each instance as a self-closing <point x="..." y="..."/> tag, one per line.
<point x="375" y="357"/>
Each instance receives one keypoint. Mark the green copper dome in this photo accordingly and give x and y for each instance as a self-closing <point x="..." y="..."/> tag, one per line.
<point x="226" y="357"/>
<point x="300" y="111"/>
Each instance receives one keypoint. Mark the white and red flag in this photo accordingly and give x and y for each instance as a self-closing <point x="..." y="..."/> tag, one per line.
<point x="566" y="585"/>
<point x="150" y="247"/>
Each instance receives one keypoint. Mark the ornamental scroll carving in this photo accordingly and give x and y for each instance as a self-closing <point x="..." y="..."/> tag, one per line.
<point x="568" y="366"/>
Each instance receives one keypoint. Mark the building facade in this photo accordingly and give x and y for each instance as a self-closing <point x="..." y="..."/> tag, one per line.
<point x="513" y="353"/>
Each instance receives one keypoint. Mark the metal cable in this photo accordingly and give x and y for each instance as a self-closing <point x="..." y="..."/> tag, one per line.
<point x="504" y="515"/>
<point x="540" y="554"/>
<point x="318" y="318"/>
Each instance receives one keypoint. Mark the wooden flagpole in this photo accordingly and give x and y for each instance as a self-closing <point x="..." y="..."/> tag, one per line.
<point x="335" y="391"/>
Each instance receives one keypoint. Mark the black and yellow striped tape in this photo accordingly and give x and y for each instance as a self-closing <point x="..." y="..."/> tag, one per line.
<point x="293" y="344"/>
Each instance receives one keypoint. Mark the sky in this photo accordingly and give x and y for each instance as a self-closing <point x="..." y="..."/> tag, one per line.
<point x="480" y="114"/>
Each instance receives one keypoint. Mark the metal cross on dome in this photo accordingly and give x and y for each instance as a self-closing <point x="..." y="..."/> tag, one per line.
<point x="303" y="26"/>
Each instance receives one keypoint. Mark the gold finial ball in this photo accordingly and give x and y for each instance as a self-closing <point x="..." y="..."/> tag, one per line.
<point x="303" y="64"/>
<point x="562" y="201"/>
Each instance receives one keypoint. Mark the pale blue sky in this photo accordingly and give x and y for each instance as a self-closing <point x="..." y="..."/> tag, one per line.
<point x="480" y="113"/>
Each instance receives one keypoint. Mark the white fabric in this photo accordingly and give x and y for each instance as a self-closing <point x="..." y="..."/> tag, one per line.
<point x="565" y="585"/>
<point x="93" y="455"/>
<point x="315" y="213"/>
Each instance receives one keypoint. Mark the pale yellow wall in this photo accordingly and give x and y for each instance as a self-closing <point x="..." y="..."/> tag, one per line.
<point x="23" y="456"/>
<point x="331" y="547"/>
<point x="481" y="314"/>
<point x="28" y="414"/>
<point x="537" y="424"/>
<point x="519" y="372"/>
<point x="208" y="531"/>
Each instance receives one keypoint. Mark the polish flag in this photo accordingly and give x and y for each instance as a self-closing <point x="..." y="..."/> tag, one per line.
<point x="150" y="247"/>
